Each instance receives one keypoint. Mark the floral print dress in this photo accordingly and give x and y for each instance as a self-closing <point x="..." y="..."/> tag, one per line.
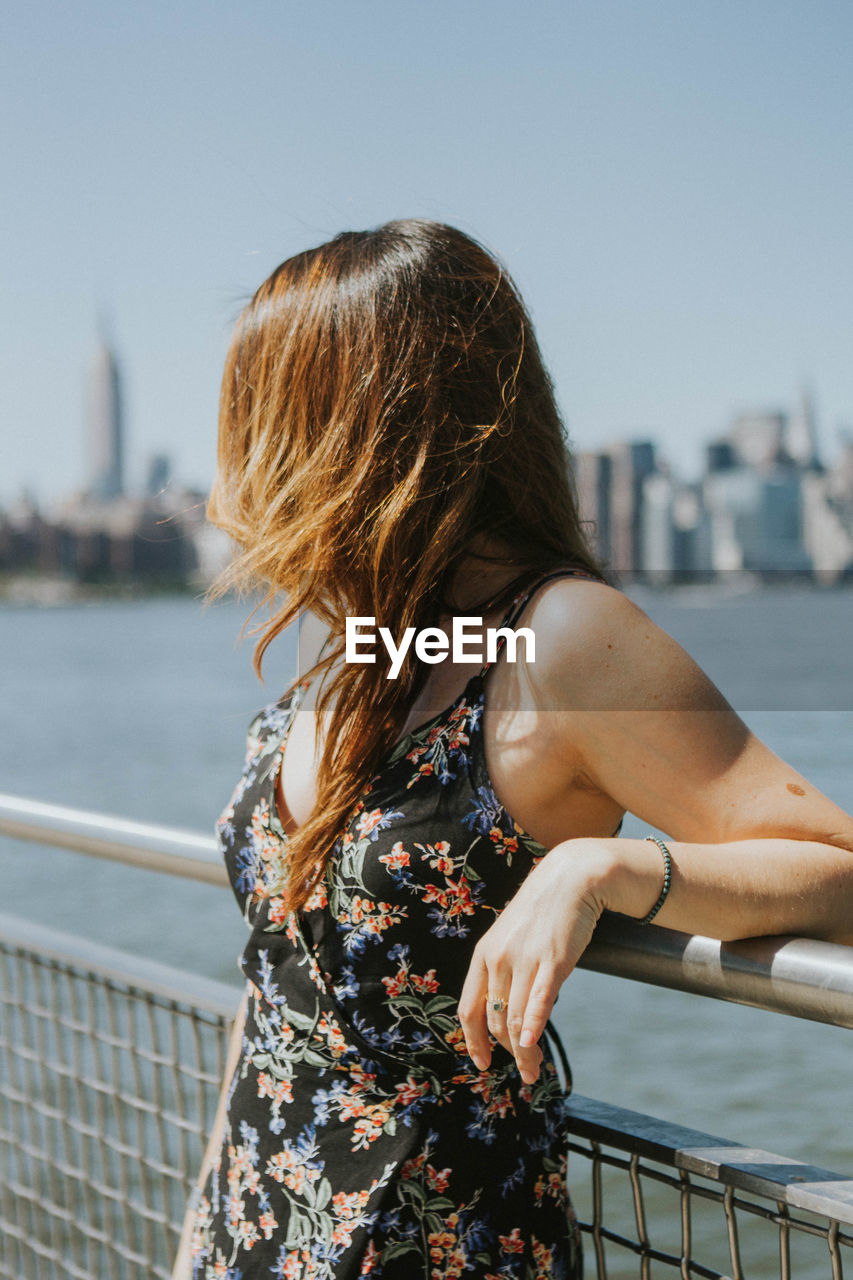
<point x="360" y="1138"/>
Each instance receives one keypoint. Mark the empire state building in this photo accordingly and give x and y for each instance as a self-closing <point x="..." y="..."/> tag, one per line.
<point x="104" y="425"/>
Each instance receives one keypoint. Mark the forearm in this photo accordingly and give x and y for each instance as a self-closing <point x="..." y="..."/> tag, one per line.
<point x="740" y="889"/>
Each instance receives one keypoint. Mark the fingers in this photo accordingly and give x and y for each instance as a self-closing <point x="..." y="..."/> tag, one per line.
<point x="528" y="993"/>
<point x="472" y="1013"/>
<point x="497" y="1001"/>
<point x="526" y="955"/>
<point x="540" y="1001"/>
<point x="530" y="998"/>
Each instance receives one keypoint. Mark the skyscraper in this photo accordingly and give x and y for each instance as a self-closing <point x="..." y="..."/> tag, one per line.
<point x="801" y="434"/>
<point x="104" y="426"/>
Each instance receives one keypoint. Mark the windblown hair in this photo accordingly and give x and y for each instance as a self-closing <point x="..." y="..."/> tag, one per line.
<point x="383" y="403"/>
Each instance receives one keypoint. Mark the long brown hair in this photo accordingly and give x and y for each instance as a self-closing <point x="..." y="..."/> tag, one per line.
<point x="384" y="402"/>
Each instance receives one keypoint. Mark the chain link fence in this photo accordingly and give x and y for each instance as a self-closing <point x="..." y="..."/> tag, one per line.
<point x="111" y="1065"/>
<point x="110" y="1068"/>
<point x="658" y="1199"/>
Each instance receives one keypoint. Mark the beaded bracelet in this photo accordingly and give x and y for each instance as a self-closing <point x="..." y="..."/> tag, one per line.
<point x="667" y="879"/>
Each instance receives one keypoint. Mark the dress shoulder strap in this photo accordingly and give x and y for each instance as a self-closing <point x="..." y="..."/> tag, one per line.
<point x="520" y="602"/>
<point x="514" y="612"/>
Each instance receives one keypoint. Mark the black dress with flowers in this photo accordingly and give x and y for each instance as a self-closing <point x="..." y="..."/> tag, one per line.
<point x="360" y="1138"/>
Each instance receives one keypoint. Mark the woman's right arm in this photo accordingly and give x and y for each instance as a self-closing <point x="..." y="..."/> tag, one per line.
<point x="753" y="848"/>
<point x="182" y="1269"/>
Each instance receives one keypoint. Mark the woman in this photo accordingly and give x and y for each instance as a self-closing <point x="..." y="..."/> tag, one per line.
<point x="422" y="860"/>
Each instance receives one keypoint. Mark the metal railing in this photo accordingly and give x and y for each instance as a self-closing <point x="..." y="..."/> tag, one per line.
<point x="704" y="1196"/>
<point x="797" y="976"/>
<point x="110" y="1068"/>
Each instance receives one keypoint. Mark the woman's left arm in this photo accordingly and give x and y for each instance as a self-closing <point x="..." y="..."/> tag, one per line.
<point x="756" y="849"/>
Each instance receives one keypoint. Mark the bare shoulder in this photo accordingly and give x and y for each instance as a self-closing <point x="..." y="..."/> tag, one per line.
<point x="670" y="749"/>
<point x="597" y="650"/>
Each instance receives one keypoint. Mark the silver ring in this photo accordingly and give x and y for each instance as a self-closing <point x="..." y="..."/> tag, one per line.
<point x="496" y="1003"/>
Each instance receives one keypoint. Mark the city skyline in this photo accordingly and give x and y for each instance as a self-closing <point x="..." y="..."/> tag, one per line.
<point x="767" y="501"/>
<point x="104" y="440"/>
<point x="667" y="182"/>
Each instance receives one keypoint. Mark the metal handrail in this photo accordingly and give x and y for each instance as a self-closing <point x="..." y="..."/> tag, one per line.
<point x="55" y="946"/>
<point x="137" y="844"/>
<point x="110" y="1067"/>
<point x="797" y="976"/>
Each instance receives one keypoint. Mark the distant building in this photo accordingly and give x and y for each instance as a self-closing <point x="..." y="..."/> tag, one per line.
<point x="632" y="461"/>
<point x="828" y="517"/>
<point x="720" y="455"/>
<point x="827" y="530"/>
<point x="752" y="512"/>
<point x="159" y="475"/>
<point x="691" y="534"/>
<point x="105" y="426"/>
<point x="657" y="528"/>
<point x="610" y="486"/>
<point x="676" y="531"/>
<point x="756" y="520"/>
<point x="105" y="536"/>
<point x="762" y="516"/>
<point x="801" y="434"/>
<point x="758" y="439"/>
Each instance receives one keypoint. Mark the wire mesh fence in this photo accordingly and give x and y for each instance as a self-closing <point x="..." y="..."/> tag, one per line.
<point x="110" y="1068"/>
<point x="108" y="1086"/>
<point x="656" y="1199"/>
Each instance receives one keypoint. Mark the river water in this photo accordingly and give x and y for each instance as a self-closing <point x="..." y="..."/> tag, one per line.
<point x="139" y="708"/>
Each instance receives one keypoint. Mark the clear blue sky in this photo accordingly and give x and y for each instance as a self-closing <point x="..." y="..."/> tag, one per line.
<point x="668" y="180"/>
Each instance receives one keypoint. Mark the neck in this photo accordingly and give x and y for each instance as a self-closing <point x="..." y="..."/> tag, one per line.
<point x="489" y="566"/>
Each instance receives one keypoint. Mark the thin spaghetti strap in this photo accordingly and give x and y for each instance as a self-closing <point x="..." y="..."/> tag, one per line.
<point x="521" y="601"/>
